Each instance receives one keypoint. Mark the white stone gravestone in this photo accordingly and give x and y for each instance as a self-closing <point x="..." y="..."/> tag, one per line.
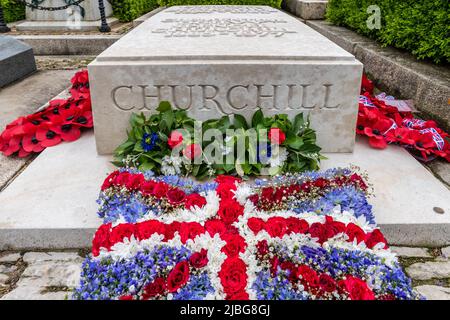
<point x="222" y="60"/>
<point x="66" y="19"/>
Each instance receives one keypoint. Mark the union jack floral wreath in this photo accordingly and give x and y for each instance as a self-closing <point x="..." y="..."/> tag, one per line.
<point x="308" y="236"/>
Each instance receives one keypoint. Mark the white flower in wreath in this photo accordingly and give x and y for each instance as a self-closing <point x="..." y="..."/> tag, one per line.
<point x="278" y="157"/>
<point x="171" y="165"/>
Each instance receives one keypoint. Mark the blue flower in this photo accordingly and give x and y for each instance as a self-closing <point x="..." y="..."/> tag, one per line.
<point x="263" y="152"/>
<point x="149" y="141"/>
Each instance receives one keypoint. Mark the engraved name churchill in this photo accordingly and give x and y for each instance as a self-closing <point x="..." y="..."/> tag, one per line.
<point x="212" y="98"/>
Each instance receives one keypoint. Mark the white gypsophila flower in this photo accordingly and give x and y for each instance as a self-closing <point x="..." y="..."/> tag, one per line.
<point x="242" y="192"/>
<point x="278" y="158"/>
<point x="171" y="165"/>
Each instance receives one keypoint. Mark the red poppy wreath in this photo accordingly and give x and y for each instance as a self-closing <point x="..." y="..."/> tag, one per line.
<point x="62" y="120"/>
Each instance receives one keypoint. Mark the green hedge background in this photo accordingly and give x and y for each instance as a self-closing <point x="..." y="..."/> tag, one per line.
<point x="273" y="3"/>
<point x="420" y="27"/>
<point x="128" y="10"/>
<point x="12" y="11"/>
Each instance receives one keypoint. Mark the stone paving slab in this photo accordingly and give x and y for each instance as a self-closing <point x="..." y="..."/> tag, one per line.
<point x="52" y="203"/>
<point x="63" y="26"/>
<point x="429" y="270"/>
<point x="409" y="252"/>
<point x="432" y="292"/>
<point x="69" y="44"/>
<point x="25" y="97"/>
<point x="46" y="276"/>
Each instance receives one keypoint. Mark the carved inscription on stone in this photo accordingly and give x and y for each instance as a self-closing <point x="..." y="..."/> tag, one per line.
<point x="239" y="27"/>
<point x="220" y="9"/>
<point x="225" y="101"/>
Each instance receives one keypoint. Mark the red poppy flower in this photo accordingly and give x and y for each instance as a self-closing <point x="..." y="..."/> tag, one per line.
<point x="401" y="135"/>
<point x="366" y="84"/>
<point x="47" y="137"/>
<point x="376" y="133"/>
<point x="31" y="144"/>
<point x="424" y="141"/>
<point x="12" y="146"/>
<point x="67" y="131"/>
<point x="84" y="120"/>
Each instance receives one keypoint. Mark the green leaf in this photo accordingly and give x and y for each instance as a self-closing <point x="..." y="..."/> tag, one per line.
<point x="299" y="122"/>
<point x="168" y="118"/>
<point x="258" y="118"/>
<point x="228" y="167"/>
<point x="138" y="147"/>
<point x="146" y="166"/>
<point x="164" y="106"/>
<point x="295" y="142"/>
<point x="240" y="122"/>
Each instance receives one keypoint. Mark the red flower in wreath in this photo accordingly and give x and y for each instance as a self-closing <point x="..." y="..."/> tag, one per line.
<point x="235" y="244"/>
<point x="376" y="133"/>
<point x="230" y="210"/>
<point x="31" y="144"/>
<point x="84" y="119"/>
<point x="276" y="136"/>
<point x="176" y="196"/>
<point x="178" y="277"/>
<point x="195" y="200"/>
<point x="154" y="289"/>
<point x="199" y="259"/>
<point x="47" y="136"/>
<point x="355" y="232"/>
<point x="175" y="139"/>
<point x="357" y="289"/>
<point x="215" y="226"/>
<point x="233" y="276"/>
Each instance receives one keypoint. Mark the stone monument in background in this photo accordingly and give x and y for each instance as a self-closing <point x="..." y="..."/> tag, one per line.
<point x="222" y="60"/>
<point x="16" y="60"/>
<point x="84" y="16"/>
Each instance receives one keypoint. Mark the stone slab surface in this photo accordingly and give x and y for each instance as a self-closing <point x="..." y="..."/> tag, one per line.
<point x="16" y="60"/>
<point x="409" y="252"/>
<point x="47" y="272"/>
<point x="91" y="11"/>
<point x="429" y="270"/>
<point x="144" y="17"/>
<point x="24" y="97"/>
<point x="307" y="9"/>
<point x="69" y="44"/>
<point x="52" y="203"/>
<point x="432" y="292"/>
<point x="405" y="195"/>
<point x="222" y="60"/>
<point x="63" y="25"/>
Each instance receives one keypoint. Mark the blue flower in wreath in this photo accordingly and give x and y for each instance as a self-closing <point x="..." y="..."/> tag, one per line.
<point x="149" y="141"/>
<point x="263" y="152"/>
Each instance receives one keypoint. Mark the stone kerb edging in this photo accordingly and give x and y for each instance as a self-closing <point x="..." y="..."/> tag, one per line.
<point x="397" y="72"/>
